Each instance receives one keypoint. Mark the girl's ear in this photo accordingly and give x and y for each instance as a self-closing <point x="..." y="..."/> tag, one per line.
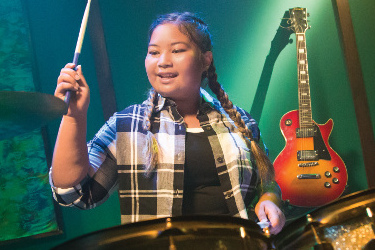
<point x="207" y="59"/>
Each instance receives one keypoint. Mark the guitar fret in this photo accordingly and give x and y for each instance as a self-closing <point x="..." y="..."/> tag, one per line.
<point x="303" y="82"/>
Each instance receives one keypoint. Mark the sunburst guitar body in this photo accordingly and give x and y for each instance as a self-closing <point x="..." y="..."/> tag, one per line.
<point x="309" y="172"/>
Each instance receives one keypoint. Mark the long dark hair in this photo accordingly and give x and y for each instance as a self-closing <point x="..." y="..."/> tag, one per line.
<point x="197" y="30"/>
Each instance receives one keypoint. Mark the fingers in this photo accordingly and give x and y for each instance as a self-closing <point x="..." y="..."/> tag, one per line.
<point x="262" y="214"/>
<point x="81" y="80"/>
<point x="70" y="79"/>
<point x="277" y="220"/>
<point x="268" y="211"/>
<point x="67" y="80"/>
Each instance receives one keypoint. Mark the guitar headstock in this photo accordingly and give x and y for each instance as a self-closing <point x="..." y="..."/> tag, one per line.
<point x="298" y="20"/>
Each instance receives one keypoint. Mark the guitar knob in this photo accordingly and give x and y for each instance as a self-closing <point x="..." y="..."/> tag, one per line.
<point x="327" y="184"/>
<point x="336" y="170"/>
<point x="335" y="180"/>
<point x="327" y="174"/>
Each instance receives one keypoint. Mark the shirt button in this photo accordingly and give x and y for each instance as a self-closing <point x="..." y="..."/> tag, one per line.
<point x="208" y="128"/>
<point x="220" y="159"/>
<point x="228" y="194"/>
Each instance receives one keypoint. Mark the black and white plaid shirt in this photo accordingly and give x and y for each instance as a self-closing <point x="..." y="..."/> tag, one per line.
<point x="116" y="155"/>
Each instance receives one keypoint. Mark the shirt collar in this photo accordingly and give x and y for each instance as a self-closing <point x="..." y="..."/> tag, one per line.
<point x="207" y="102"/>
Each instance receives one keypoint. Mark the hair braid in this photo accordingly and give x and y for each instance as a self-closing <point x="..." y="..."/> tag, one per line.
<point x="150" y="108"/>
<point x="265" y="167"/>
<point x="151" y="148"/>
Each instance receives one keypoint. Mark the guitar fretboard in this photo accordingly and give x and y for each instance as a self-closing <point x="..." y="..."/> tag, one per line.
<point x="305" y="114"/>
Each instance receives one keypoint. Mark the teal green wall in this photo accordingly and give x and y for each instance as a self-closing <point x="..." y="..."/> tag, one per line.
<point x="26" y="206"/>
<point x="242" y="33"/>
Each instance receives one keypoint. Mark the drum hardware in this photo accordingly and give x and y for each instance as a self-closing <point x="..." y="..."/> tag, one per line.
<point x="346" y="223"/>
<point x="370" y="215"/>
<point x="176" y="233"/>
<point x="172" y="246"/>
<point x="371" y="244"/>
<point x="264" y="224"/>
<point x="320" y="245"/>
<point x="22" y="112"/>
<point x="170" y="232"/>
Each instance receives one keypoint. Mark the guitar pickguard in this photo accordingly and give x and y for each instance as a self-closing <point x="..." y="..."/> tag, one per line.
<point x="320" y="149"/>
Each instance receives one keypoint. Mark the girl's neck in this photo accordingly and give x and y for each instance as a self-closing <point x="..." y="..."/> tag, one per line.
<point x="188" y="110"/>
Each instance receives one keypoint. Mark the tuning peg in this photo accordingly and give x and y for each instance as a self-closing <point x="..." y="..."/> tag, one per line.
<point x="308" y="14"/>
<point x="309" y="27"/>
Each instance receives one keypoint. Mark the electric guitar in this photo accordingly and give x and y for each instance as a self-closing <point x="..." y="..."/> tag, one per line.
<point x="310" y="173"/>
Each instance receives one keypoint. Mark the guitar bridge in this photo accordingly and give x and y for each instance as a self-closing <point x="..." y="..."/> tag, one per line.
<point x="308" y="176"/>
<point x="308" y="164"/>
<point x="307" y="155"/>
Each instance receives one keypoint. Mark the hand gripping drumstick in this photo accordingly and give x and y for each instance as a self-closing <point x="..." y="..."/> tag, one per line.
<point x="77" y="52"/>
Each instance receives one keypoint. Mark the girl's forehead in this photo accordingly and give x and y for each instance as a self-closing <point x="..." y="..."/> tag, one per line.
<point x="168" y="32"/>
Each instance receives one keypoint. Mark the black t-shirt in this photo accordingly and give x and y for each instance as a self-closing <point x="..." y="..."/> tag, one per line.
<point x="202" y="190"/>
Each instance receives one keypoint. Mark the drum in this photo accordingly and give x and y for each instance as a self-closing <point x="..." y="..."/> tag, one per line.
<point x="346" y="223"/>
<point x="185" y="232"/>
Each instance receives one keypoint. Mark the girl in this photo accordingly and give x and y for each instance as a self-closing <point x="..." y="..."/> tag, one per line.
<point x="180" y="152"/>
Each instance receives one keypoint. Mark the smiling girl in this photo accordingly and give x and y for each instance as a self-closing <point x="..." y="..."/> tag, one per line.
<point x="180" y="152"/>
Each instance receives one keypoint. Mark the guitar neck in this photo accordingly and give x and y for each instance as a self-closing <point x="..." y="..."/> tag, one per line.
<point x="304" y="99"/>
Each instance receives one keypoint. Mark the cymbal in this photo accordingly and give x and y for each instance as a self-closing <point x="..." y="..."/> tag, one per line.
<point x="22" y="112"/>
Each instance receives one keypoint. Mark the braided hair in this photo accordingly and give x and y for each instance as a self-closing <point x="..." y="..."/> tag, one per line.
<point x="195" y="29"/>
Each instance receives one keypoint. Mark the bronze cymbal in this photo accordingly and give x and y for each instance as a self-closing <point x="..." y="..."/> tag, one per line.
<point x="22" y="112"/>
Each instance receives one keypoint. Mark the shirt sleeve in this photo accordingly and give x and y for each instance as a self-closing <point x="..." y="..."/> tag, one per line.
<point x="95" y="189"/>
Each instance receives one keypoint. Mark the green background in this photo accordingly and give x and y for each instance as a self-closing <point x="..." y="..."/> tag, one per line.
<point x="26" y="206"/>
<point x="242" y="34"/>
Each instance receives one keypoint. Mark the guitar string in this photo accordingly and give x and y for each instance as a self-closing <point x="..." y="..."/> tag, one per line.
<point x="299" y="96"/>
<point x="303" y="95"/>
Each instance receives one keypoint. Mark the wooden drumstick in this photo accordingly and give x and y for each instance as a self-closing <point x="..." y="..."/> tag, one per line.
<point x="77" y="52"/>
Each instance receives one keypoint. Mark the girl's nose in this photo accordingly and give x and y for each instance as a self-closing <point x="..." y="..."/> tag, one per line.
<point x="165" y="61"/>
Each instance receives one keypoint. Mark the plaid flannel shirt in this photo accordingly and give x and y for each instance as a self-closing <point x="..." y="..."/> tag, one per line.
<point x="116" y="154"/>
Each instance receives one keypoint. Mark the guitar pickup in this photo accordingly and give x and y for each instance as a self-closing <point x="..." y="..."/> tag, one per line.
<point x="306" y="132"/>
<point x="308" y="176"/>
<point x="308" y="164"/>
<point x="307" y="155"/>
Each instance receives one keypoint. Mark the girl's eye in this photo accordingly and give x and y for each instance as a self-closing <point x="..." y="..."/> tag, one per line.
<point x="178" y="50"/>
<point x="153" y="52"/>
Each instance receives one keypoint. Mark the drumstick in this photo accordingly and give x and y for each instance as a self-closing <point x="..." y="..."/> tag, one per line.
<point x="263" y="224"/>
<point x="77" y="52"/>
